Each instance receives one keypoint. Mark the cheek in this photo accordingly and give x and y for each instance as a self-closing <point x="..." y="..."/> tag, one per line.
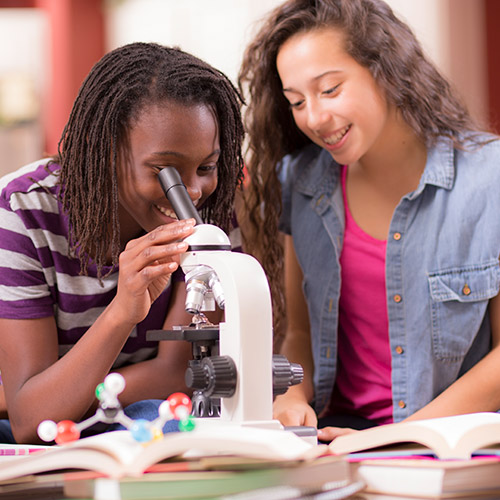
<point x="374" y="120"/>
<point x="211" y="190"/>
<point x="374" y="108"/>
<point x="209" y="186"/>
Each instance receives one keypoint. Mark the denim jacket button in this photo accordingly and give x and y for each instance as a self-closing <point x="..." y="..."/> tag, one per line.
<point x="397" y="298"/>
<point x="399" y="349"/>
<point x="401" y="404"/>
<point x="397" y="236"/>
<point x="466" y="289"/>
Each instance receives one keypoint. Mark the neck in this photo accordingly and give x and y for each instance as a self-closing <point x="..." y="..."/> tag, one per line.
<point x="397" y="159"/>
<point x="391" y="169"/>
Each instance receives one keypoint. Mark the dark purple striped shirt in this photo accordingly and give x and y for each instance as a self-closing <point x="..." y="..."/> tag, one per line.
<point x="38" y="277"/>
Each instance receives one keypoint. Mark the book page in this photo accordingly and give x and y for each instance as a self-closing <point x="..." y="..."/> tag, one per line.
<point x="227" y="439"/>
<point x="447" y="437"/>
<point x="58" y="460"/>
<point x="120" y="445"/>
<point x="109" y="453"/>
<point x="117" y="453"/>
<point x="455" y="427"/>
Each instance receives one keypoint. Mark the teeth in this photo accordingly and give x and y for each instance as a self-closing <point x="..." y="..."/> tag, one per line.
<point x="167" y="212"/>
<point x="337" y="137"/>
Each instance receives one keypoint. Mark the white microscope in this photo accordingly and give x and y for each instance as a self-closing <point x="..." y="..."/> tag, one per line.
<point x="234" y="369"/>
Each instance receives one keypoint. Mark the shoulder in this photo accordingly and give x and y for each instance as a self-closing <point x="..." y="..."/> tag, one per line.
<point x="474" y="163"/>
<point x="309" y="170"/>
<point x="479" y="163"/>
<point x="296" y="161"/>
<point x="488" y="148"/>
<point x="29" y="200"/>
<point x="37" y="176"/>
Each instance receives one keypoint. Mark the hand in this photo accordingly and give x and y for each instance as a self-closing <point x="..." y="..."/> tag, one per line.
<point x="292" y="410"/>
<point x="327" y="434"/>
<point x="146" y="265"/>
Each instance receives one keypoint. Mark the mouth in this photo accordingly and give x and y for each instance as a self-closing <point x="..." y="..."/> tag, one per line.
<point x="335" y="138"/>
<point x="168" y="212"/>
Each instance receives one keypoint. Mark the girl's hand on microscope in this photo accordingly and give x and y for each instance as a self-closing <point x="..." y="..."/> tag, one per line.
<point x="146" y="266"/>
<point x="292" y="409"/>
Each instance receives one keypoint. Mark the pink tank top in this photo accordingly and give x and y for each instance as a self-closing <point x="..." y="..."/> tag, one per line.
<point x="363" y="382"/>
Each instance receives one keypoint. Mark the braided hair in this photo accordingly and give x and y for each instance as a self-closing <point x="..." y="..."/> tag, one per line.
<point x="112" y="95"/>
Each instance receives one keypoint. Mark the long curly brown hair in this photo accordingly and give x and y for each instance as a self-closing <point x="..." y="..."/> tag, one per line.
<point x="377" y="40"/>
<point x="114" y="92"/>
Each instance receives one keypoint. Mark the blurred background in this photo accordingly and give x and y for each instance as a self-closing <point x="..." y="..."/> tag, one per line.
<point x="48" y="47"/>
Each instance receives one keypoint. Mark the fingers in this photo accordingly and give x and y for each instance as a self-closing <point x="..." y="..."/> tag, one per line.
<point x="168" y="233"/>
<point x="311" y="420"/>
<point x="161" y="254"/>
<point x="147" y="262"/>
<point x="327" y="434"/>
<point x="291" y="418"/>
<point x="162" y="246"/>
<point x="292" y="411"/>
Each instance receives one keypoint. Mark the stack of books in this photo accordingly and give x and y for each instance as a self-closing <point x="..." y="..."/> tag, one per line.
<point x="450" y="457"/>
<point x="206" y="463"/>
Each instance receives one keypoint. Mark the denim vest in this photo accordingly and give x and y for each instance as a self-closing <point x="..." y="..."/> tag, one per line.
<point x="442" y="266"/>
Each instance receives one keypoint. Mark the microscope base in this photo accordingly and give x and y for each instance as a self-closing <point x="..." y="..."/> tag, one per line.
<point x="308" y="434"/>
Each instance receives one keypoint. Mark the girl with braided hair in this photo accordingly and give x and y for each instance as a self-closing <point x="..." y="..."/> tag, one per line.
<point x="89" y="247"/>
<point x="387" y="195"/>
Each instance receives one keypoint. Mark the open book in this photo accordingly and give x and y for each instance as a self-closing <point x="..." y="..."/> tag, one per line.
<point x="117" y="454"/>
<point x="447" y="437"/>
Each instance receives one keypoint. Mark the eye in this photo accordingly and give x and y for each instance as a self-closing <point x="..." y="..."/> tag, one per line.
<point x="207" y="169"/>
<point x="331" y="90"/>
<point x="296" y="104"/>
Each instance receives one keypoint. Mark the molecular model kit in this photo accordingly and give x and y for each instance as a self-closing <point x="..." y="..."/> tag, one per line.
<point x="176" y="407"/>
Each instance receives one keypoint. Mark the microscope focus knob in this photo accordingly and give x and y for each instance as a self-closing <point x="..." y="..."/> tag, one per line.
<point x="214" y="376"/>
<point x="196" y="377"/>
<point x="285" y="374"/>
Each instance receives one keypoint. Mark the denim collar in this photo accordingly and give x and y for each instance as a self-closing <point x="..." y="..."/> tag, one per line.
<point x="320" y="173"/>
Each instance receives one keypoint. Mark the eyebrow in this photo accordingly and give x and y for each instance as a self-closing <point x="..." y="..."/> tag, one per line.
<point x="165" y="153"/>
<point x="181" y="155"/>
<point x="316" y="78"/>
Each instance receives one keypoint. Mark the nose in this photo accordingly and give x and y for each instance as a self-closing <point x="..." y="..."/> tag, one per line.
<point x="317" y="115"/>
<point x="193" y="189"/>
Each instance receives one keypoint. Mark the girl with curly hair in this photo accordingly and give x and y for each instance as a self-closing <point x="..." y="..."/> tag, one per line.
<point x="362" y="154"/>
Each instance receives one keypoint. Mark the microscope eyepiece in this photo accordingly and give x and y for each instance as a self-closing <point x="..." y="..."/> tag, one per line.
<point x="177" y="195"/>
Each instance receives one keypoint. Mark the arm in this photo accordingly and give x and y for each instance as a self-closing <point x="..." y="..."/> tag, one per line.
<point x="292" y="408"/>
<point x="40" y="386"/>
<point x="479" y="388"/>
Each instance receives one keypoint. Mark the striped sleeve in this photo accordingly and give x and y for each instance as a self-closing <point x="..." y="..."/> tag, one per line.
<point x="25" y="257"/>
<point x="24" y="291"/>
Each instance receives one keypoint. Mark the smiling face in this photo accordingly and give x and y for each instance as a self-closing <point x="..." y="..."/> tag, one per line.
<point x="166" y="134"/>
<point x="335" y="101"/>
